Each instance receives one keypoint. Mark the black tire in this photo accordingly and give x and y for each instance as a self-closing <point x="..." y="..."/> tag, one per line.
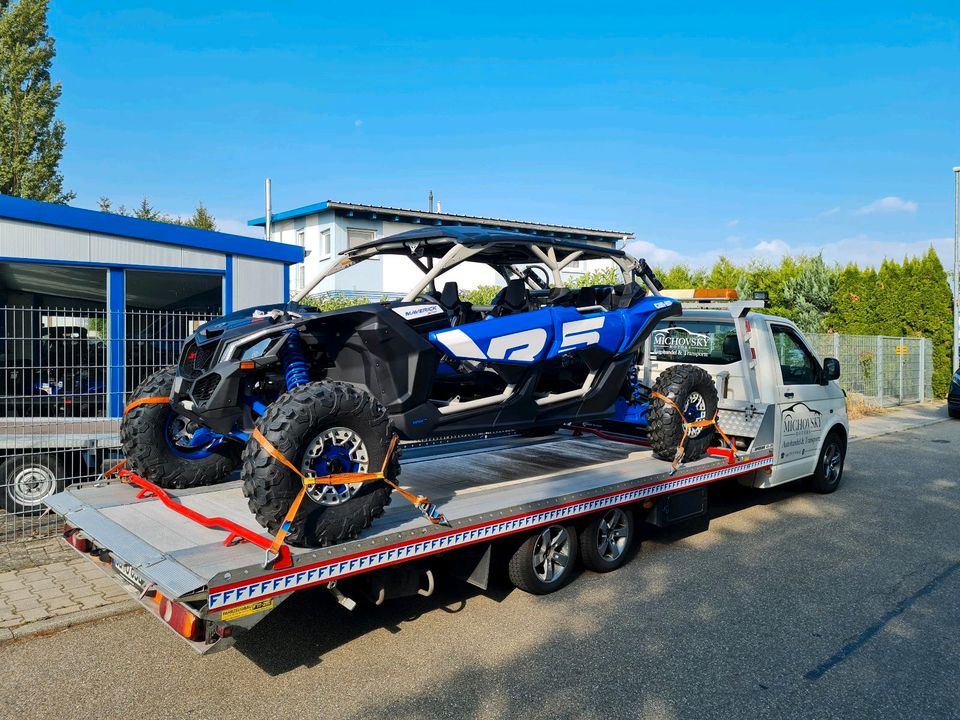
<point x="954" y="413"/>
<point x="606" y="539"/>
<point x="149" y="452"/>
<point x="27" y="480"/>
<point x="665" y="424"/>
<point x="531" y="575"/>
<point x="826" y="478"/>
<point x="294" y="422"/>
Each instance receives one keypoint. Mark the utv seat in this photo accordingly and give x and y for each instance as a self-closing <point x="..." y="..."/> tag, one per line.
<point x="458" y="311"/>
<point x="514" y="298"/>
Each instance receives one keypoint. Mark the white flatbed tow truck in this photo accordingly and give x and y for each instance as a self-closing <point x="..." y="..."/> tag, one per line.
<point x="196" y="560"/>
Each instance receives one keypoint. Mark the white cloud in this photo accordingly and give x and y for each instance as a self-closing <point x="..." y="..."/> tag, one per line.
<point x="733" y="223"/>
<point x="358" y="123"/>
<point x="888" y="204"/>
<point x="829" y="213"/>
<point x="860" y="249"/>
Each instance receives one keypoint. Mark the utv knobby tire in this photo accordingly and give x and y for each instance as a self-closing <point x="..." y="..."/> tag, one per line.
<point x="145" y="444"/>
<point x="665" y="424"/>
<point x="290" y="424"/>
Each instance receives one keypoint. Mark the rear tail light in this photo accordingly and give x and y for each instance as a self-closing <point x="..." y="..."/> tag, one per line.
<point x="73" y="537"/>
<point x="181" y="619"/>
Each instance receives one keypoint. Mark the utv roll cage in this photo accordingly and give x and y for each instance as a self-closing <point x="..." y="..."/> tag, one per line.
<point x="437" y="250"/>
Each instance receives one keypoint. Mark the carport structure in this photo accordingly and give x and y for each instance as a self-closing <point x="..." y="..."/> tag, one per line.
<point x="120" y="274"/>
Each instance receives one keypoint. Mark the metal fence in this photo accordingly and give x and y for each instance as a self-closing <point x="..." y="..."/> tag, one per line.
<point x="885" y="370"/>
<point x="66" y="373"/>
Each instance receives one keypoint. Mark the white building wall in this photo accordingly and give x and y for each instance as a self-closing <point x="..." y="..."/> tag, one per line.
<point x="256" y="282"/>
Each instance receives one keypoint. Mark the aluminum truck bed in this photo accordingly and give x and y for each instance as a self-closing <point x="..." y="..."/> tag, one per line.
<point x="485" y="489"/>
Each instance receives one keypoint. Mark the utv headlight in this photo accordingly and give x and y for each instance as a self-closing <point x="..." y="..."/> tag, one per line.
<point x="256" y="350"/>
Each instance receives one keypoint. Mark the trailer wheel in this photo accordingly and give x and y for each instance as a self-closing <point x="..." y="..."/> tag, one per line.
<point x="605" y="540"/>
<point x="168" y="449"/>
<point x="322" y="428"/>
<point x="27" y="480"/>
<point x="692" y="389"/>
<point x="545" y="561"/>
<point x="826" y="478"/>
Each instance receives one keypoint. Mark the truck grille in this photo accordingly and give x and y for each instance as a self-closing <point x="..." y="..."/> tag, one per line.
<point x="196" y="358"/>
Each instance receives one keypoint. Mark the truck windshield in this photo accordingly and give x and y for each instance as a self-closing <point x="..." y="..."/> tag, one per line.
<point x="697" y="341"/>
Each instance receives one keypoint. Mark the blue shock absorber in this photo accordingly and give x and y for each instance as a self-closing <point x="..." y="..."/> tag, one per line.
<point x="296" y="371"/>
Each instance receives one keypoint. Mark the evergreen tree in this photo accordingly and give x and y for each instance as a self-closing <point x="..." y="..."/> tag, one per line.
<point x="31" y="140"/>
<point x="201" y="219"/>
<point x="810" y="293"/>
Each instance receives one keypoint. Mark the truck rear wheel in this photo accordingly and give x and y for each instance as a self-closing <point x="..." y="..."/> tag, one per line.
<point x="605" y="540"/>
<point x="545" y="561"/>
<point x="168" y="449"/>
<point x="321" y="428"/>
<point x="692" y="389"/>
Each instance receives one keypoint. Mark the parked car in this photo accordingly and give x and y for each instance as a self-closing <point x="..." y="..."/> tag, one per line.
<point x="953" y="397"/>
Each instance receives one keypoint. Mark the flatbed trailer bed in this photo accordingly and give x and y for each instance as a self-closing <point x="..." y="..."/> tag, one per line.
<point x="487" y="490"/>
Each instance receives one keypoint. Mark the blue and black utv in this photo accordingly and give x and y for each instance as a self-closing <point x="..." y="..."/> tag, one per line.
<point x="329" y="390"/>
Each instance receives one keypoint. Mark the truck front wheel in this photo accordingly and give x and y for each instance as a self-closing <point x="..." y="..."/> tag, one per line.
<point x="322" y="428"/>
<point x="168" y="449"/>
<point x="826" y="478"/>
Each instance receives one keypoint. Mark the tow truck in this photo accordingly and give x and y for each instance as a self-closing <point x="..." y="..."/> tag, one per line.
<point x="198" y="561"/>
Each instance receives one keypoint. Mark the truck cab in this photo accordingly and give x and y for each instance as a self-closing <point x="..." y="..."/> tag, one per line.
<point x="773" y="389"/>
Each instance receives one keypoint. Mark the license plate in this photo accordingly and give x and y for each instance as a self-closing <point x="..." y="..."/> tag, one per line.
<point x="130" y="574"/>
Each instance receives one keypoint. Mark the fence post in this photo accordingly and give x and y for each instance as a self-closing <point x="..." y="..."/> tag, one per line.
<point x="922" y="376"/>
<point x="836" y="345"/>
<point x="900" y="347"/>
<point x="879" y="365"/>
<point x="116" y="330"/>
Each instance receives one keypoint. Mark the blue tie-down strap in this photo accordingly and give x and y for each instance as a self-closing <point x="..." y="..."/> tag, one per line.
<point x="431" y="513"/>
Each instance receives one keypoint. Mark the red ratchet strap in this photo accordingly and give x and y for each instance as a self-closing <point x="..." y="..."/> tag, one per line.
<point x="236" y="533"/>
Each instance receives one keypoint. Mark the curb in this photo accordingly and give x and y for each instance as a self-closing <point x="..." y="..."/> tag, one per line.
<point x="925" y="423"/>
<point x="64" y="621"/>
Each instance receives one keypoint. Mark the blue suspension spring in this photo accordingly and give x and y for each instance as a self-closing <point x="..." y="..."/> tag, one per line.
<point x="296" y="371"/>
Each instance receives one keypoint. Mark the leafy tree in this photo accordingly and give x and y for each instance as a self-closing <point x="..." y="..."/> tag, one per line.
<point x="201" y="219"/>
<point x="603" y="276"/>
<point x="31" y="140"/>
<point x="480" y="295"/>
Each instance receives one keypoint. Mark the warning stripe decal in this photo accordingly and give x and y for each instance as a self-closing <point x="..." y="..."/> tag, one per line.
<point x="278" y="583"/>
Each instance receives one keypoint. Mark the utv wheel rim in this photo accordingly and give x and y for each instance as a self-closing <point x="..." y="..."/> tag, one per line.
<point x="695" y="411"/>
<point x="551" y="554"/>
<point x="612" y="532"/>
<point x="335" y="450"/>
<point x="32" y="484"/>
<point x="832" y="462"/>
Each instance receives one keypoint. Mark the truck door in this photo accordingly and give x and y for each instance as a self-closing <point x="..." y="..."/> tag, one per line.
<point x="803" y="406"/>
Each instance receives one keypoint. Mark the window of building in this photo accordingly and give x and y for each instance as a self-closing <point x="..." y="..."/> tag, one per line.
<point x="325" y="248"/>
<point x="356" y="237"/>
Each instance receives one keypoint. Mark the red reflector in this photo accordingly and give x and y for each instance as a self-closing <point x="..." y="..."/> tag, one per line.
<point x="753" y="353"/>
<point x="192" y="355"/>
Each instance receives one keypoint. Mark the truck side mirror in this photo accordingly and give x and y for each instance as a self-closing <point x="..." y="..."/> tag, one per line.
<point x="831" y="369"/>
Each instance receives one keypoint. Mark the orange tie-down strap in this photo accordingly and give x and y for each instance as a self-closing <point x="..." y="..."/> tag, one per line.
<point x="421" y="502"/>
<point x="145" y="401"/>
<point x="695" y="424"/>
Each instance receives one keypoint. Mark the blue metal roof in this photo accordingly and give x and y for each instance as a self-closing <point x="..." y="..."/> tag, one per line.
<point x="65" y="216"/>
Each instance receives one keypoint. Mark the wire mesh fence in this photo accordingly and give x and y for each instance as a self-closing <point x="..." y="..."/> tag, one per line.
<point x="887" y="371"/>
<point x="66" y="373"/>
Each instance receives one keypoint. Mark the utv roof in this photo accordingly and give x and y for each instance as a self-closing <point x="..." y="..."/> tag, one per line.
<point x="504" y="246"/>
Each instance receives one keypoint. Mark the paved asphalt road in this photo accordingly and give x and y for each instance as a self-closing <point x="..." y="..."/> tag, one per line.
<point x="791" y="605"/>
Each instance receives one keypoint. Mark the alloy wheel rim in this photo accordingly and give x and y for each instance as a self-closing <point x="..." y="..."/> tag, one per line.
<point x="696" y="410"/>
<point x="612" y="534"/>
<point x="335" y="450"/>
<point x="551" y="554"/>
<point x="831" y="462"/>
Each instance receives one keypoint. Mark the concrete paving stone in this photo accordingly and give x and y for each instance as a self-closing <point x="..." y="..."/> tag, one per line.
<point x="34" y="615"/>
<point x="12" y="623"/>
<point x="60" y="602"/>
<point x="21" y="594"/>
<point x="20" y="605"/>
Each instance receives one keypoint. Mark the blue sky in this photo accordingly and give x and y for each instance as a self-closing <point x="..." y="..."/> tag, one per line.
<point x="721" y="129"/>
